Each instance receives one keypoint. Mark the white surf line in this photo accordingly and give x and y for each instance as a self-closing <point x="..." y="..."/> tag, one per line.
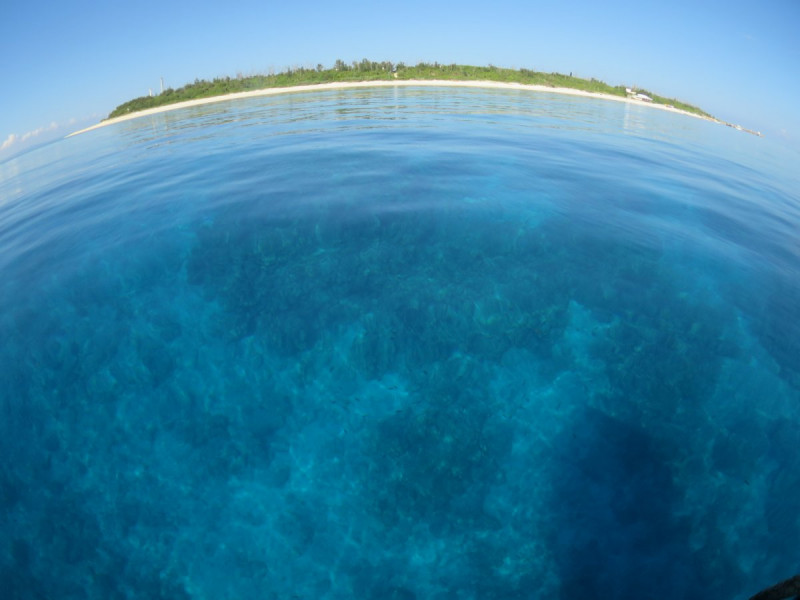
<point x="338" y="85"/>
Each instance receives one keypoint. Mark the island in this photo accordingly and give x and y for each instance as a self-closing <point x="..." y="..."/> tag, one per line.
<point x="370" y="73"/>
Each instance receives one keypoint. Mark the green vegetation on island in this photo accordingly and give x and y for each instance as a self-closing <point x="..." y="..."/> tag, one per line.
<point x="367" y="70"/>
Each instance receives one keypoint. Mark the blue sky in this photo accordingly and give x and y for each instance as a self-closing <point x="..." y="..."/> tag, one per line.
<point x="68" y="64"/>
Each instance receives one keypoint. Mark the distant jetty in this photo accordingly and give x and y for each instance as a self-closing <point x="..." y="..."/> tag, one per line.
<point x="369" y="73"/>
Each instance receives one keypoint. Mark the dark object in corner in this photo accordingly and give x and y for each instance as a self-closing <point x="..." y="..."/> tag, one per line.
<point x="785" y="589"/>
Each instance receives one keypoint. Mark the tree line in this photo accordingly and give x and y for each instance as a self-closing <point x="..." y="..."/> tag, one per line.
<point x="367" y="70"/>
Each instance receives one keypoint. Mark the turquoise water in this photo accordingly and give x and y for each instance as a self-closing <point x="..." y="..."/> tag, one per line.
<point x="397" y="344"/>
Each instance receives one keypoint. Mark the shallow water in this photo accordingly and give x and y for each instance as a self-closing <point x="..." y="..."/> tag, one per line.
<point x="400" y="343"/>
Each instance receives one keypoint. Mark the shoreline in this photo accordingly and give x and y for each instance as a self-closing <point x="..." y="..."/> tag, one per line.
<point x="380" y="83"/>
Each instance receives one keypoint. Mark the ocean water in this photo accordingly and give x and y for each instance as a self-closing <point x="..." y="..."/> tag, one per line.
<point x="400" y="344"/>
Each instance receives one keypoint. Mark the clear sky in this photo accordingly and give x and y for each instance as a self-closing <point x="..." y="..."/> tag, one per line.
<point x="64" y="65"/>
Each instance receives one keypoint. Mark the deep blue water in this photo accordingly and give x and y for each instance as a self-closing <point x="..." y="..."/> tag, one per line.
<point x="399" y="344"/>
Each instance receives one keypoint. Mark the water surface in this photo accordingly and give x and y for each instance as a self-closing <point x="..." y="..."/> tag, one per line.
<point x="400" y="343"/>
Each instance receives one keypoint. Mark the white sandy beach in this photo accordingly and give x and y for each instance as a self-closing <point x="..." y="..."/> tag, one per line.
<point x="402" y="83"/>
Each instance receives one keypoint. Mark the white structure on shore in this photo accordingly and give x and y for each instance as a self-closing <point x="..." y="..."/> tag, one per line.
<point x="632" y="93"/>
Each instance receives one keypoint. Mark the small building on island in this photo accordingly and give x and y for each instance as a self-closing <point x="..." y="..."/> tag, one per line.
<point x="632" y="93"/>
